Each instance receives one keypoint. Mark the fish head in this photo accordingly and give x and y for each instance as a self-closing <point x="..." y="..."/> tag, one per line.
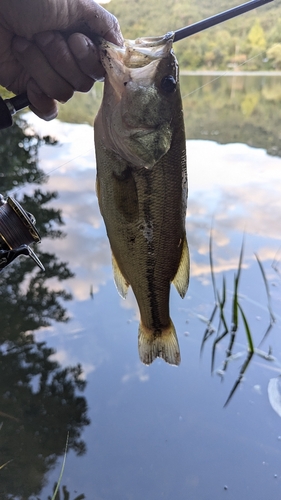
<point x="141" y="98"/>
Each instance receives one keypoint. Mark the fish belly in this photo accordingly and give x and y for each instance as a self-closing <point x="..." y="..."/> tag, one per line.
<point x="144" y="212"/>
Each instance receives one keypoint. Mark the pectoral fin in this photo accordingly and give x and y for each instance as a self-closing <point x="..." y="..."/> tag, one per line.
<point x="162" y="344"/>
<point x="181" y="278"/>
<point x="121" y="283"/>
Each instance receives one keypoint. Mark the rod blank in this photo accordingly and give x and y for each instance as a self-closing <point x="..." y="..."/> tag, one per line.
<point x="218" y="18"/>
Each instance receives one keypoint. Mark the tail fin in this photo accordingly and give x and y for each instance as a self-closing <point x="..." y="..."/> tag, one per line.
<point x="159" y="345"/>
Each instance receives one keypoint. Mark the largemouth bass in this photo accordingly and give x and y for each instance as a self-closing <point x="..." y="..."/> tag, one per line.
<point x="142" y="183"/>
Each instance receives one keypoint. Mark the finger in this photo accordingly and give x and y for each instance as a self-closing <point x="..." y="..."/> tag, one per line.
<point x="96" y="21"/>
<point x="86" y="56"/>
<point x="42" y="105"/>
<point x="58" y="54"/>
<point x="113" y="34"/>
<point x="36" y="64"/>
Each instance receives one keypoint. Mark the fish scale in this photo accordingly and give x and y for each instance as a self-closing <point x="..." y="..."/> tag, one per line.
<point x="144" y="207"/>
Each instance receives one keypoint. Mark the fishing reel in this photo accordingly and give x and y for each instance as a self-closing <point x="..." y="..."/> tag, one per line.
<point x="17" y="232"/>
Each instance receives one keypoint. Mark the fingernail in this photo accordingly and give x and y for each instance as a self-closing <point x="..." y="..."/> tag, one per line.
<point x="82" y="46"/>
<point x="45" y="38"/>
<point x="119" y="39"/>
<point x="20" y="44"/>
<point x="53" y="114"/>
<point x="47" y="116"/>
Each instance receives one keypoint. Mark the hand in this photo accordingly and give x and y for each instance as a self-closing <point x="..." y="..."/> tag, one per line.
<point x="45" y="49"/>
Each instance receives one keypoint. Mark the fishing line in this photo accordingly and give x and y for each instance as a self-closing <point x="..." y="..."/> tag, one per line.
<point x="220" y="76"/>
<point x="69" y="161"/>
<point x="186" y="95"/>
<point x="57" y="168"/>
<point x="190" y="93"/>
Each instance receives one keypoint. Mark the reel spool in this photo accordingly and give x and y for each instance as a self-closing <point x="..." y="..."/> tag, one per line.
<point x="17" y="232"/>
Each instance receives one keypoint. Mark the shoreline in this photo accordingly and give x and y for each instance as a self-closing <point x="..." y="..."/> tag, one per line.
<point x="228" y="73"/>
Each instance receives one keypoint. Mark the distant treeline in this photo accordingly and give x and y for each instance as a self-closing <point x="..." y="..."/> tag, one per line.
<point x="254" y="37"/>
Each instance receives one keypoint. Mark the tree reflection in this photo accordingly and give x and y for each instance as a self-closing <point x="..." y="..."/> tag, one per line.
<point x="233" y="109"/>
<point x="40" y="400"/>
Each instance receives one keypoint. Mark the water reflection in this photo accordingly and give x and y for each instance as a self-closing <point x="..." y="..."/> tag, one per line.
<point x="64" y="494"/>
<point x="40" y="399"/>
<point x="233" y="109"/>
<point x="160" y="432"/>
<point x="233" y="191"/>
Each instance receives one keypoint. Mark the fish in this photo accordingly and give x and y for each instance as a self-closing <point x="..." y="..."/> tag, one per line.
<point x="141" y="183"/>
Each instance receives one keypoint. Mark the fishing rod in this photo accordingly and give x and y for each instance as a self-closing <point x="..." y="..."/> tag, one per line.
<point x="9" y="107"/>
<point x="218" y="18"/>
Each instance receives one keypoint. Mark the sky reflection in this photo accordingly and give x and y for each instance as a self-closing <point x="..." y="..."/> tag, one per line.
<point x="235" y="186"/>
<point x="160" y="432"/>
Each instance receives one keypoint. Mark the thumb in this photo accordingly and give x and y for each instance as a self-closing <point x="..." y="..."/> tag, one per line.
<point x="91" y="19"/>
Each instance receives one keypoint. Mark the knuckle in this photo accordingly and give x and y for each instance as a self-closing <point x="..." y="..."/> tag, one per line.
<point x="84" y="86"/>
<point x="113" y="29"/>
<point x="61" y="94"/>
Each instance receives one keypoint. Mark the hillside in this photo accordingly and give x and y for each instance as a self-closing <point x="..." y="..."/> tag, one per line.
<point x="255" y="35"/>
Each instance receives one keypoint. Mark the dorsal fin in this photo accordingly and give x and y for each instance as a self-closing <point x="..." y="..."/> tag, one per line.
<point x="121" y="283"/>
<point x="181" y="278"/>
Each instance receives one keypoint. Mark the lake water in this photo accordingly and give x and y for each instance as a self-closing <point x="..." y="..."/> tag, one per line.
<point x="149" y="432"/>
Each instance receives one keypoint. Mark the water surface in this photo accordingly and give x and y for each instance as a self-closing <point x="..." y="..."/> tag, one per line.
<point x="156" y="432"/>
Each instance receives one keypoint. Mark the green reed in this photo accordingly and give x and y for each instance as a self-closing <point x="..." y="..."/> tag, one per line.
<point x="238" y="317"/>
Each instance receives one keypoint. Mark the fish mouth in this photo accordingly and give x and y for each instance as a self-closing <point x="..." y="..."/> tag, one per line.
<point x="138" y="121"/>
<point x="136" y="53"/>
<point x="155" y="41"/>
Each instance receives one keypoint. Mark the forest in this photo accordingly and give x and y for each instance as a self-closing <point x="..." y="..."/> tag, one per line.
<point x="255" y="35"/>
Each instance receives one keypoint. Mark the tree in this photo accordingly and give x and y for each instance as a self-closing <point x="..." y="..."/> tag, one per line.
<point x="256" y="36"/>
<point x="41" y="402"/>
<point x="274" y="54"/>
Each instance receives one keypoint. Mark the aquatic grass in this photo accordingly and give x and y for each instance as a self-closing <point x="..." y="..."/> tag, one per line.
<point x="272" y="318"/>
<point x="236" y="285"/>
<point x="9" y="461"/>
<point x="237" y="312"/>
<point x="248" y="332"/>
<point x="222" y="322"/>
<point x="6" y="463"/>
<point x="235" y="307"/>
<point x="212" y="263"/>
<point x="276" y="261"/>
<point x="57" y="485"/>
<point x="66" y="495"/>
<point x="6" y="415"/>
<point x="246" y="363"/>
<point x="240" y="377"/>
<point x="209" y="329"/>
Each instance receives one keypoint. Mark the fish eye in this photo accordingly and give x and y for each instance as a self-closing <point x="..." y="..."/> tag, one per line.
<point x="168" y="83"/>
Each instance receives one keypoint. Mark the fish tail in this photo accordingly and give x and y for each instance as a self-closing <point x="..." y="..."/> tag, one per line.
<point x="162" y="344"/>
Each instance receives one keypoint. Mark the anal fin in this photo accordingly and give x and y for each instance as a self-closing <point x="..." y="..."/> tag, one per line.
<point x="159" y="345"/>
<point x="121" y="283"/>
<point x="181" y="279"/>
